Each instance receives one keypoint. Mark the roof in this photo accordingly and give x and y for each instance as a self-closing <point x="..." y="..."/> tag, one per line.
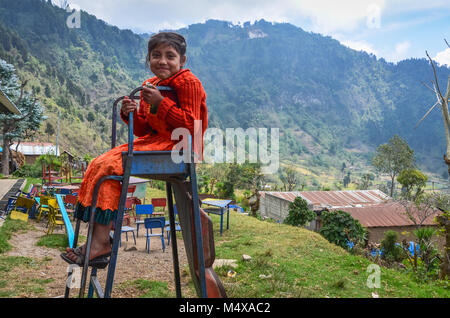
<point x="333" y="199"/>
<point x="35" y="148"/>
<point x="6" y="106"/>
<point x="389" y="214"/>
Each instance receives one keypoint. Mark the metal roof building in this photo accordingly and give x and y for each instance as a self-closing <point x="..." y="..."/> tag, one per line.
<point x="7" y="106"/>
<point x="372" y="208"/>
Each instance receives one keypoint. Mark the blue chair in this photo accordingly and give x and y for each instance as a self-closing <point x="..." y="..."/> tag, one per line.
<point x="126" y="229"/>
<point x="177" y="224"/>
<point x="154" y="223"/>
<point x="142" y="209"/>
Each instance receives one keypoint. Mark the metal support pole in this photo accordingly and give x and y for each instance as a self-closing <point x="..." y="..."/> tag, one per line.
<point x="176" y="267"/>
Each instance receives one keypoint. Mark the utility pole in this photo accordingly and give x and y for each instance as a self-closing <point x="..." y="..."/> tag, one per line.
<point x="57" y="134"/>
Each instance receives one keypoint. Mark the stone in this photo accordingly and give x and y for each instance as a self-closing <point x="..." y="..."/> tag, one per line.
<point x="246" y="257"/>
<point x="221" y="262"/>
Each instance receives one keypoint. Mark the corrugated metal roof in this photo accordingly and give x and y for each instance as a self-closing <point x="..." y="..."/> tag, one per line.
<point x="7" y="106"/>
<point x="35" y="148"/>
<point x="384" y="215"/>
<point x="333" y="199"/>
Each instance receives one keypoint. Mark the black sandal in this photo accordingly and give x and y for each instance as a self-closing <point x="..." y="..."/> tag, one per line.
<point x="99" y="262"/>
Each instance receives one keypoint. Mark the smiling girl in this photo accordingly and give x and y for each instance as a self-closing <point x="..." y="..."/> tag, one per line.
<point x="154" y="122"/>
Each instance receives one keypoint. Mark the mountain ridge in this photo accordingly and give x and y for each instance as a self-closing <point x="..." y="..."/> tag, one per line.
<point x="333" y="104"/>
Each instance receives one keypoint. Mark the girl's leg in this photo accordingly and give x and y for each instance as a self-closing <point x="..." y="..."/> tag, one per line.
<point x="100" y="242"/>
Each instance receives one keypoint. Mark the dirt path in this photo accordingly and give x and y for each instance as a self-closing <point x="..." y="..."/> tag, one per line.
<point x="132" y="264"/>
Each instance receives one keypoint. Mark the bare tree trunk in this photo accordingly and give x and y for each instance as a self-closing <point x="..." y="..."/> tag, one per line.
<point x="446" y="116"/>
<point x="5" y="155"/>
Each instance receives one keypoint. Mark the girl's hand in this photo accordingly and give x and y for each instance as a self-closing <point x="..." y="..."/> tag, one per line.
<point x="128" y="106"/>
<point x="151" y="95"/>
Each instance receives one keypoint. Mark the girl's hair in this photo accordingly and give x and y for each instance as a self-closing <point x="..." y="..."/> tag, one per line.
<point x="173" y="39"/>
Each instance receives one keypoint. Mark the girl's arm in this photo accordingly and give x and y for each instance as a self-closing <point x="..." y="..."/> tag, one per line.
<point x="140" y="125"/>
<point x="191" y="98"/>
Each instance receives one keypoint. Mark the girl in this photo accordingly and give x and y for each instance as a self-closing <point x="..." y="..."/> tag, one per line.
<point x="153" y="123"/>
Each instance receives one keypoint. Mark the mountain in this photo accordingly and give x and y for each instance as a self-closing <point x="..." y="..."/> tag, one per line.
<point x="333" y="105"/>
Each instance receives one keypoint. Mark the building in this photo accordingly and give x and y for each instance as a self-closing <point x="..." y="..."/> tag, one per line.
<point x="372" y="208"/>
<point x="6" y="106"/>
<point x="32" y="150"/>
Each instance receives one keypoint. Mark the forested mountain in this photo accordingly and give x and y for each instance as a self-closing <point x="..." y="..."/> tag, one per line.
<point x="333" y="105"/>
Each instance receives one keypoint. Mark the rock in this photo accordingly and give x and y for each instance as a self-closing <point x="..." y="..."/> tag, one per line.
<point x="133" y="248"/>
<point x="246" y="257"/>
<point x="262" y="276"/>
<point x="222" y="262"/>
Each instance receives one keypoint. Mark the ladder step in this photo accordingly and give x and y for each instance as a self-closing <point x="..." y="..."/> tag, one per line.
<point x="97" y="287"/>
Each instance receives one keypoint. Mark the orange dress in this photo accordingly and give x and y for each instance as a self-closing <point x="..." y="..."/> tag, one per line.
<point x="154" y="132"/>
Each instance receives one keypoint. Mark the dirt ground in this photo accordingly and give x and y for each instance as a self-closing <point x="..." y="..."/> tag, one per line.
<point x="132" y="264"/>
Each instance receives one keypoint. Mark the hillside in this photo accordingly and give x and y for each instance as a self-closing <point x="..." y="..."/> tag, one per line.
<point x="333" y="105"/>
<point x="286" y="262"/>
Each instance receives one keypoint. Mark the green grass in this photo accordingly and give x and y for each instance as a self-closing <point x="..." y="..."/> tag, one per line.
<point x="58" y="241"/>
<point x="12" y="281"/>
<point x="148" y="289"/>
<point x="296" y="262"/>
<point x="8" y="228"/>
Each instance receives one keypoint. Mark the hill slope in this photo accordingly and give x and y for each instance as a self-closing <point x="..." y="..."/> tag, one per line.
<point x="333" y="105"/>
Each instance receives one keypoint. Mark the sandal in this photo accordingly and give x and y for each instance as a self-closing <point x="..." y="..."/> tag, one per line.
<point x="99" y="262"/>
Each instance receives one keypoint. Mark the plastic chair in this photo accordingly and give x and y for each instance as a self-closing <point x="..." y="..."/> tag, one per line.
<point x="142" y="209"/>
<point x="154" y="223"/>
<point x="22" y="208"/>
<point x="126" y="229"/>
<point x="159" y="202"/>
<point x="54" y="217"/>
<point x="43" y="206"/>
<point x="177" y="224"/>
<point x="71" y="200"/>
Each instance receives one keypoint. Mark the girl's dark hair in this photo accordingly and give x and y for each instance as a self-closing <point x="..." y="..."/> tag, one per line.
<point x="173" y="39"/>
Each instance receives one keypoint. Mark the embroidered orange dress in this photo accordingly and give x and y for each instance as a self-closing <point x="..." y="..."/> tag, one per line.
<point x="154" y="132"/>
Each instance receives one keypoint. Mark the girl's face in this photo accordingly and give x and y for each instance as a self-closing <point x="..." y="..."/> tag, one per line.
<point x="165" y="61"/>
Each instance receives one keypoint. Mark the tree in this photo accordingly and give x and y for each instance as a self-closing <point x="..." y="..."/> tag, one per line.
<point x="412" y="179"/>
<point x="299" y="214"/>
<point x="49" y="130"/>
<point x="17" y="126"/>
<point x="90" y="118"/>
<point x="393" y="157"/>
<point x="340" y="228"/>
<point x="289" y="177"/>
<point x="443" y="102"/>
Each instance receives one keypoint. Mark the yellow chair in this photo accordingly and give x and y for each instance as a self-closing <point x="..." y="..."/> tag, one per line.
<point x="43" y="206"/>
<point x="54" y="216"/>
<point x="22" y="209"/>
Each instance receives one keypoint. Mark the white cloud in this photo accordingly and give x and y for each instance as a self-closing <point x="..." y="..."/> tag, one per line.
<point x="360" y="46"/>
<point x="443" y="58"/>
<point x="323" y="16"/>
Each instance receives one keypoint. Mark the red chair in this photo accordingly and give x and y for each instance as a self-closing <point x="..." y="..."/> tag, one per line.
<point x="131" y="189"/>
<point x="72" y="201"/>
<point x="159" y="202"/>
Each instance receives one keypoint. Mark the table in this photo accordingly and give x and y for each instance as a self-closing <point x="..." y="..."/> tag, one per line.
<point x="222" y="204"/>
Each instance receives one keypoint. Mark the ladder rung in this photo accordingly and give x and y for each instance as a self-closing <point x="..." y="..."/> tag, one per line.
<point x="97" y="288"/>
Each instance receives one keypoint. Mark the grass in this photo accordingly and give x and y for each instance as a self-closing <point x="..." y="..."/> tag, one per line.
<point x="148" y="289"/>
<point x="12" y="281"/>
<point x="294" y="262"/>
<point x="8" y="228"/>
<point x="58" y="241"/>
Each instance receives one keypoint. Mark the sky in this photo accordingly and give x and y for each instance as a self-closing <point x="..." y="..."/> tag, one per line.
<point x="390" y="29"/>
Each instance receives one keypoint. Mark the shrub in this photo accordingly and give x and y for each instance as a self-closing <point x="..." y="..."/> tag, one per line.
<point x="391" y="251"/>
<point x="299" y="214"/>
<point x="339" y="227"/>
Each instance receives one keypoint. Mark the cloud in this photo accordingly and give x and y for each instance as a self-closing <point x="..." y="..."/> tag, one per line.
<point x="323" y="16"/>
<point x="443" y="57"/>
<point x="360" y="46"/>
